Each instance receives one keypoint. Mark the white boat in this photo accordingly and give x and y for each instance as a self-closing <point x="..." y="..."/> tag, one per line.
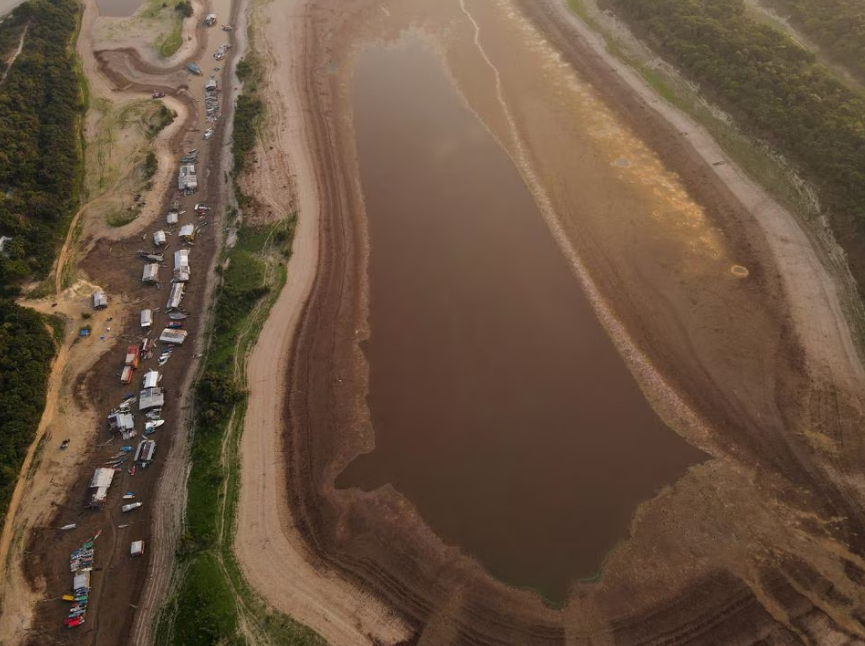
<point x="131" y="506"/>
<point x="149" y="427"/>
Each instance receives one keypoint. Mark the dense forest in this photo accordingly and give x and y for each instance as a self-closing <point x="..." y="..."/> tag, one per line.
<point x="838" y="26"/>
<point x="773" y="87"/>
<point x="40" y="108"/>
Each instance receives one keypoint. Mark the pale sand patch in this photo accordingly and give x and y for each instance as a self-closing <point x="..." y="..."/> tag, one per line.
<point x="268" y="547"/>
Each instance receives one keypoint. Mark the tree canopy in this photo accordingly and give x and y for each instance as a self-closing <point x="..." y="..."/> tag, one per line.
<point x="40" y="166"/>
<point x="772" y="86"/>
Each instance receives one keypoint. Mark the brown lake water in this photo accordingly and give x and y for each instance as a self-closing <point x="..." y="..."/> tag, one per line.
<point x="501" y="408"/>
<point x="118" y="8"/>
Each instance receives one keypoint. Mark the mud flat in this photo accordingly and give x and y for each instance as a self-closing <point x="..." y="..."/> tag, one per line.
<point x="756" y="368"/>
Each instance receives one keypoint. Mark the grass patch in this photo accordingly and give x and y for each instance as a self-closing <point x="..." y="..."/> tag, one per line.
<point x="167" y="44"/>
<point x="160" y="119"/>
<point x="208" y="612"/>
<point x="121" y="218"/>
<point x="211" y="595"/>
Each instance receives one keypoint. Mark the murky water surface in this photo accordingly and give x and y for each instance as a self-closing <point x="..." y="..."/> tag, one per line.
<point x="119" y="8"/>
<point x="501" y="409"/>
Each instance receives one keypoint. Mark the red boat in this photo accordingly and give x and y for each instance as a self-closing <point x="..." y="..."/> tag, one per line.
<point x="74" y="621"/>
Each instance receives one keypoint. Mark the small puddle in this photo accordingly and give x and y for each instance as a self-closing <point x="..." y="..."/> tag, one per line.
<point x="501" y="409"/>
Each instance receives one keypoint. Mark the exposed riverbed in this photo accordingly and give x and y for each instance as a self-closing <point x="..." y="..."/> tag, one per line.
<point x="680" y="260"/>
<point x="501" y="409"/>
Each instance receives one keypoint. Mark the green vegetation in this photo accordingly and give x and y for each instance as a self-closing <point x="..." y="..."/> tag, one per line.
<point x="184" y="8"/>
<point x="168" y="43"/>
<point x="248" y="112"/>
<point x="212" y="595"/>
<point x="26" y="350"/>
<point x="772" y="87"/>
<point x="40" y="107"/>
<point x="838" y="26"/>
<point x="40" y="176"/>
<point x="151" y="164"/>
<point x="159" y="120"/>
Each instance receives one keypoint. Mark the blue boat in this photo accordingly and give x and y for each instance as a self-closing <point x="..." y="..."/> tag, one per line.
<point x="192" y="67"/>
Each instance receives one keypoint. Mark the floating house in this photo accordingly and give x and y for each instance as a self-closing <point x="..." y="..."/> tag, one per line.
<point x="187" y="180"/>
<point x="123" y="422"/>
<point x="151" y="273"/>
<point x="171" y="217"/>
<point x="173" y="336"/>
<point x="187" y="232"/>
<point x="151" y="379"/>
<point x="145" y="451"/>
<point x="181" y="266"/>
<point x="136" y="548"/>
<point x="175" y="297"/>
<point x="151" y="398"/>
<point x="146" y="319"/>
<point x="100" y="300"/>
<point x="99" y="485"/>
<point x="159" y="238"/>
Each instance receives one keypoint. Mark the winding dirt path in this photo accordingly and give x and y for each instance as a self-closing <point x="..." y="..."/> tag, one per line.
<point x="11" y="61"/>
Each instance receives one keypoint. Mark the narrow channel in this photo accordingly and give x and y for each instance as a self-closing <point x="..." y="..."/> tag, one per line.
<point x="501" y="409"/>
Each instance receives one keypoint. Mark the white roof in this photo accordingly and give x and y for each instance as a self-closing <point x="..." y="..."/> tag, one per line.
<point x="146" y="318"/>
<point x="173" y="336"/>
<point x="151" y="379"/>
<point x="176" y="296"/>
<point x="181" y="258"/>
<point x="100" y="481"/>
<point x="151" y="398"/>
<point x="81" y="580"/>
<point x="181" y="265"/>
<point x="102" y="477"/>
<point x="136" y="548"/>
<point x="171" y="218"/>
<point x="151" y="272"/>
<point x="187" y="230"/>
<point x="159" y="237"/>
<point x="186" y="177"/>
<point x="124" y="421"/>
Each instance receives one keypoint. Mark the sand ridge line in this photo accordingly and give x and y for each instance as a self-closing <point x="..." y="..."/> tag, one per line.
<point x="269" y="549"/>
